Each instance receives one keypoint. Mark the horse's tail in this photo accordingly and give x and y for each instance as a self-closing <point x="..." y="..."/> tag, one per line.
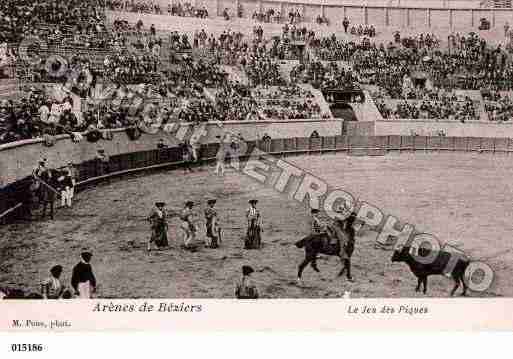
<point x="301" y="243"/>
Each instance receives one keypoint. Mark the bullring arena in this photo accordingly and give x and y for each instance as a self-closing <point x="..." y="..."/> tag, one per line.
<point x="433" y="148"/>
<point x="109" y="219"/>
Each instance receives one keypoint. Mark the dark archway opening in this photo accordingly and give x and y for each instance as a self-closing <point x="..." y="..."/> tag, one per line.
<point x="344" y="111"/>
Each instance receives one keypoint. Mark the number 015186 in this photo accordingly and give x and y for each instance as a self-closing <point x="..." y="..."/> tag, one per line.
<point x="27" y="347"/>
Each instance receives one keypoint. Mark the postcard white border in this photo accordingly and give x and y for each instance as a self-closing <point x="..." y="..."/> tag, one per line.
<point x="454" y="314"/>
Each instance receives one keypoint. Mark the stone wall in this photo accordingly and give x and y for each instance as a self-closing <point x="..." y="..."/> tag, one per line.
<point x="413" y="14"/>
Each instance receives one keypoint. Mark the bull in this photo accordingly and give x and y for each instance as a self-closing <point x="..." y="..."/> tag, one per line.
<point x="436" y="267"/>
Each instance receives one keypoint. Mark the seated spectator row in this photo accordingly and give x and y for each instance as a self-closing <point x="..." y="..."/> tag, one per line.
<point x="22" y="17"/>
<point x="438" y="110"/>
<point x="472" y="64"/>
<point x="363" y="30"/>
<point x="325" y="76"/>
<point x="174" y="8"/>
<point x="498" y="106"/>
<point x="195" y="88"/>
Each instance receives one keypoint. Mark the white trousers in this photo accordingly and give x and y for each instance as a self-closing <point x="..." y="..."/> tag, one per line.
<point x="84" y="290"/>
<point x="220" y="167"/>
<point x="194" y="154"/>
<point x="187" y="235"/>
<point x="67" y="196"/>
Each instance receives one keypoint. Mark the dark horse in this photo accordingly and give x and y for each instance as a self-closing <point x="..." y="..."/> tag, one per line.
<point x="317" y="244"/>
<point x="48" y="191"/>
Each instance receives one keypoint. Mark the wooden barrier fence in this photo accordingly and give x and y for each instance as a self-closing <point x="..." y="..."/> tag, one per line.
<point x="93" y="171"/>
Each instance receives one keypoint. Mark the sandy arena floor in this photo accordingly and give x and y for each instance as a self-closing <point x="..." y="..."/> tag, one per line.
<point x="464" y="199"/>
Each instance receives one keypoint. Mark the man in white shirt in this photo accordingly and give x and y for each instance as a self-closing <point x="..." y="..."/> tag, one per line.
<point x="156" y="50"/>
<point x="55" y="113"/>
<point x="44" y="112"/>
<point x="66" y="106"/>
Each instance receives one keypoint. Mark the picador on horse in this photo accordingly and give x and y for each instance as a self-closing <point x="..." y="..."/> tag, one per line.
<point x="336" y="238"/>
<point x="44" y="187"/>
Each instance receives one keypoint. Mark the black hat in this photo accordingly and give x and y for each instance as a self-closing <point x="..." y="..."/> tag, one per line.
<point x="212" y="201"/>
<point x="253" y="201"/>
<point x="86" y="256"/>
<point x="160" y="204"/>
<point x="55" y="270"/>
<point x="247" y="270"/>
<point x="315" y="211"/>
<point x="189" y="204"/>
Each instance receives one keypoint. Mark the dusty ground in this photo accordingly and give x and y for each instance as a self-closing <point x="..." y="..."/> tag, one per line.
<point x="464" y="199"/>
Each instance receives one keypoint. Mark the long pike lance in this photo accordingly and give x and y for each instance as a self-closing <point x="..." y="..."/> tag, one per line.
<point x="47" y="185"/>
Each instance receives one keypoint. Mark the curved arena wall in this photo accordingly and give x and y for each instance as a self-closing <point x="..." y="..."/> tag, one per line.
<point x="19" y="158"/>
<point x="13" y="196"/>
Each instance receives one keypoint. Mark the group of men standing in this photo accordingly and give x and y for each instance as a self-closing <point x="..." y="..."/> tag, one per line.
<point x="159" y="226"/>
<point x="188" y="228"/>
<point x="49" y="183"/>
<point x="83" y="281"/>
<point x="231" y="147"/>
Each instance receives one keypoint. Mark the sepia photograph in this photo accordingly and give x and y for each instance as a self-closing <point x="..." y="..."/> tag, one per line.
<point x="255" y="149"/>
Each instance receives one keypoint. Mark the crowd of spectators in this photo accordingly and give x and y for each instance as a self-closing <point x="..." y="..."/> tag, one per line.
<point x="282" y="109"/>
<point x="131" y="68"/>
<point x="490" y="94"/>
<point x="22" y="17"/>
<point x="207" y="73"/>
<point x="139" y="6"/>
<point x="257" y="57"/>
<point x="7" y="59"/>
<point x="363" y="30"/>
<point x="498" y="106"/>
<point x="124" y="54"/>
<point x="270" y="103"/>
<point x="420" y="41"/>
<point x="234" y="103"/>
<point x="134" y="57"/>
<point x="295" y="33"/>
<point x="41" y="115"/>
<point x="332" y="49"/>
<point x="282" y="93"/>
<point x="329" y="76"/>
<point x="501" y="110"/>
<point x="36" y="115"/>
<point x="282" y="102"/>
<point x="429" y="109"/>
<point x="262" y="70"/>
<point x="295" y="16"/>
<point x="468" y="63"/>
<point x="187" y="9"/>
<point x="272" y="15"/>
<point x="179" y="42"/>
<point x="174" y="8"/>
<point x="269" y="16"/>
<point x="227" y="40"/>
